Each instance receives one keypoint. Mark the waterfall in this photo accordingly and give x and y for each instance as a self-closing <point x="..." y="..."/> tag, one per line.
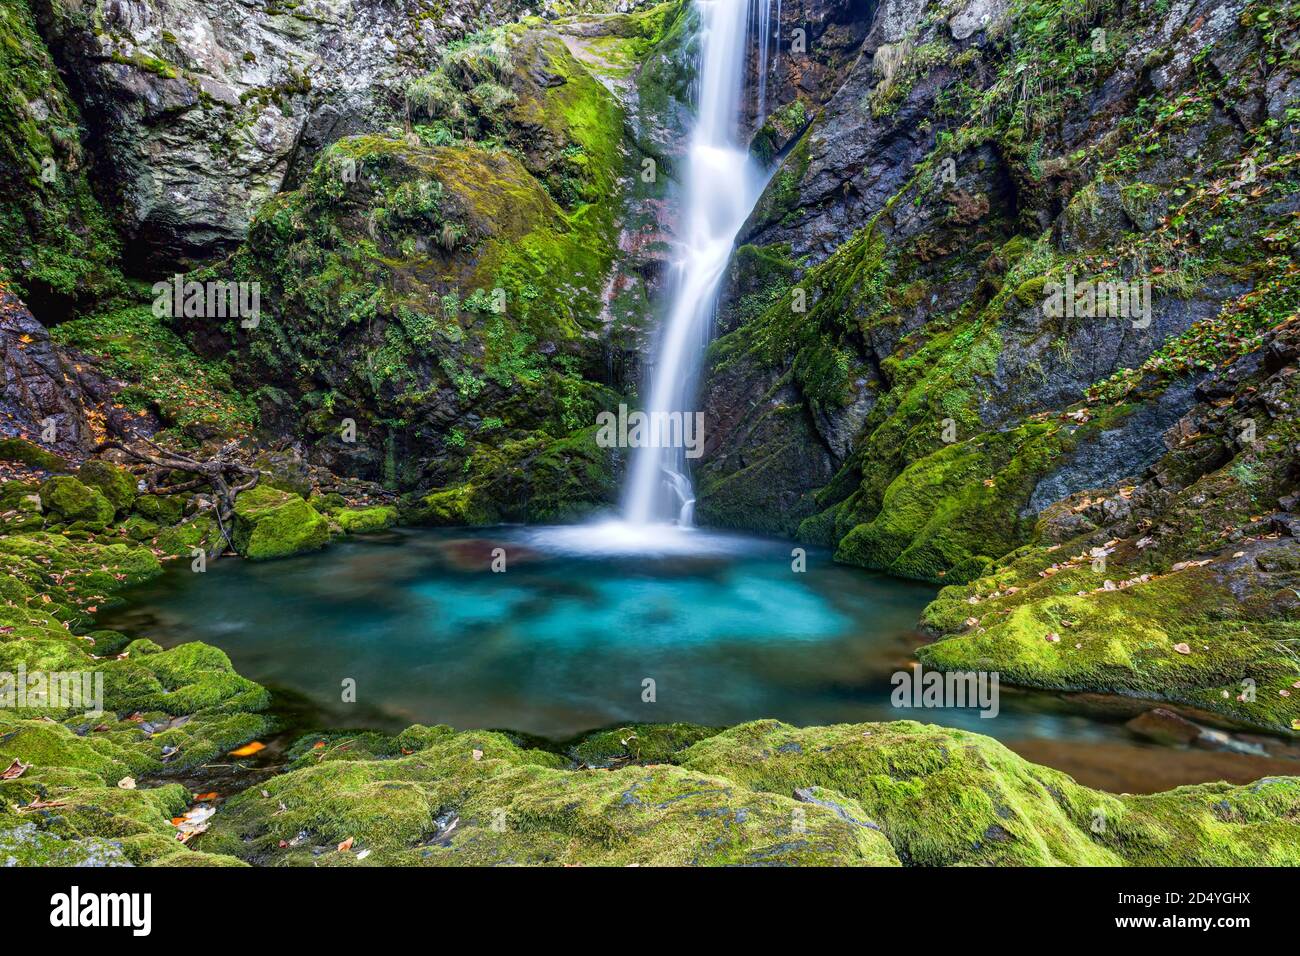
<point x="721" y="185"/>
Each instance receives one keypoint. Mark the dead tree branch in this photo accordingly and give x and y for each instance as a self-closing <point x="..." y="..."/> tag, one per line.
<point x="222" y="473"/>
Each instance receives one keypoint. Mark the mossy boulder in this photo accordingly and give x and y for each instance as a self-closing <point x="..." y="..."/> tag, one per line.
<point x="67" y="500"/>
<point x="20" y="507"/>
<point x="949" y="797"/>
<point x="140" y="529"/>
<point x="478" y="798"/>
<point x="366" y="520"/>
<point x="164" y="509"/>
<point x="460" y="505"/>
<point x="762" y="793"/>
<point x="180" y="540"/>
<point x="116" y="484"/>
<point x="642" y="743"/>
<point x="27" y="453"/>
<point x="270" y="523"/>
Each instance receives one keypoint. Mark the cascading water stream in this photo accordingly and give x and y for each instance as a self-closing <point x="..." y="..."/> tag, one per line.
<point x="721" y="186"/>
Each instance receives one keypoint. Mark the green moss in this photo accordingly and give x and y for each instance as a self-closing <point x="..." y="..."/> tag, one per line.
<point x="164" y="509"/>
<point x="199" y="531"/>
<point x="512" y="805"/>
<point x="950" y="797"/>
<point x="269" y="523"/>
<point x="116" y="484"/>
<point x="365" y="520"/>
<point x="1124" y="639"/>
<point x="55" y="241"/>
<point x="29" y="453"/>
<point x="161" y="372"/>
<point x="641" y="743"/>
<point x="66" y="499"/>
<point x="759" y="794"/>
<point x="948" y="515"/>
<point x="533" y="479"/>
<point x="20" y="507"/>
<point x="163" y="711"/>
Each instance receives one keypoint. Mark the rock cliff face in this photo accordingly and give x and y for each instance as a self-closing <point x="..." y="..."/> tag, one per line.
<point x="440" y="304"/>
<point x="201" y="110"/>
<point x="56" y="245"/>
<point x="886" y="312"/>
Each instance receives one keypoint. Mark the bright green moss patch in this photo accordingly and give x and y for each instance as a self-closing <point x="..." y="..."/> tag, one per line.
<point x="641" y="743"/>
<point x="762" y="793"/>
<point x="116" y="484"/>
<point x="534" y="479"/>
<point x="477" y="798"/>
<point x="1180" y="636"/>
<point x="67" y="500"/>
<point x="162" y="711"/>
<point x="364" y="520"/>
<point x="269" y="523"/>
<point x="950" y="513"/>
<point x="948" y="797"/>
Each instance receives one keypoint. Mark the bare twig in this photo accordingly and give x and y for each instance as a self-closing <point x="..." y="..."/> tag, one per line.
<point x="225" y="475"/>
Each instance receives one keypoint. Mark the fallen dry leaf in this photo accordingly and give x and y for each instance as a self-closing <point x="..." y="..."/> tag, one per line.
<point x="126" y="783"/>
<point x="16" y="770"/>
<point x="193" y="822"/>
<point x="345" y="845"/>
<point x="1182" y="649"/>
<point x="248" y="749"/>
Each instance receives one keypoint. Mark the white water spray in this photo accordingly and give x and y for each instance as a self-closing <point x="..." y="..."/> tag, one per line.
<point x="722" y="184"/>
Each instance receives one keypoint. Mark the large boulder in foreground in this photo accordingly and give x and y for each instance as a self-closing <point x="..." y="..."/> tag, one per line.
<point x="270" y="523"/>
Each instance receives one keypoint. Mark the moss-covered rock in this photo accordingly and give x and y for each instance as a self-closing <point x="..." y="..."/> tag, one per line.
<point x="29" y="453"/>
<point x="478" y="798"/>
<point x="20" y="507"/>
<point x="164" y="509"/>
<point x="948" y="797"/>
<point x="533" y="479"/>
<point x="115" y="483"/>
<point x="67" y="500"/>
<point x="1182" y="586"/>
<point x="161" y="711"/>
<point x="366" y="520"/>
<point x="642" y="743"/>
<point x="55" y="239"/>
<point x="762" y="793"/>
<point x="200" y="531"/>
<point x="270" y="523"/>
